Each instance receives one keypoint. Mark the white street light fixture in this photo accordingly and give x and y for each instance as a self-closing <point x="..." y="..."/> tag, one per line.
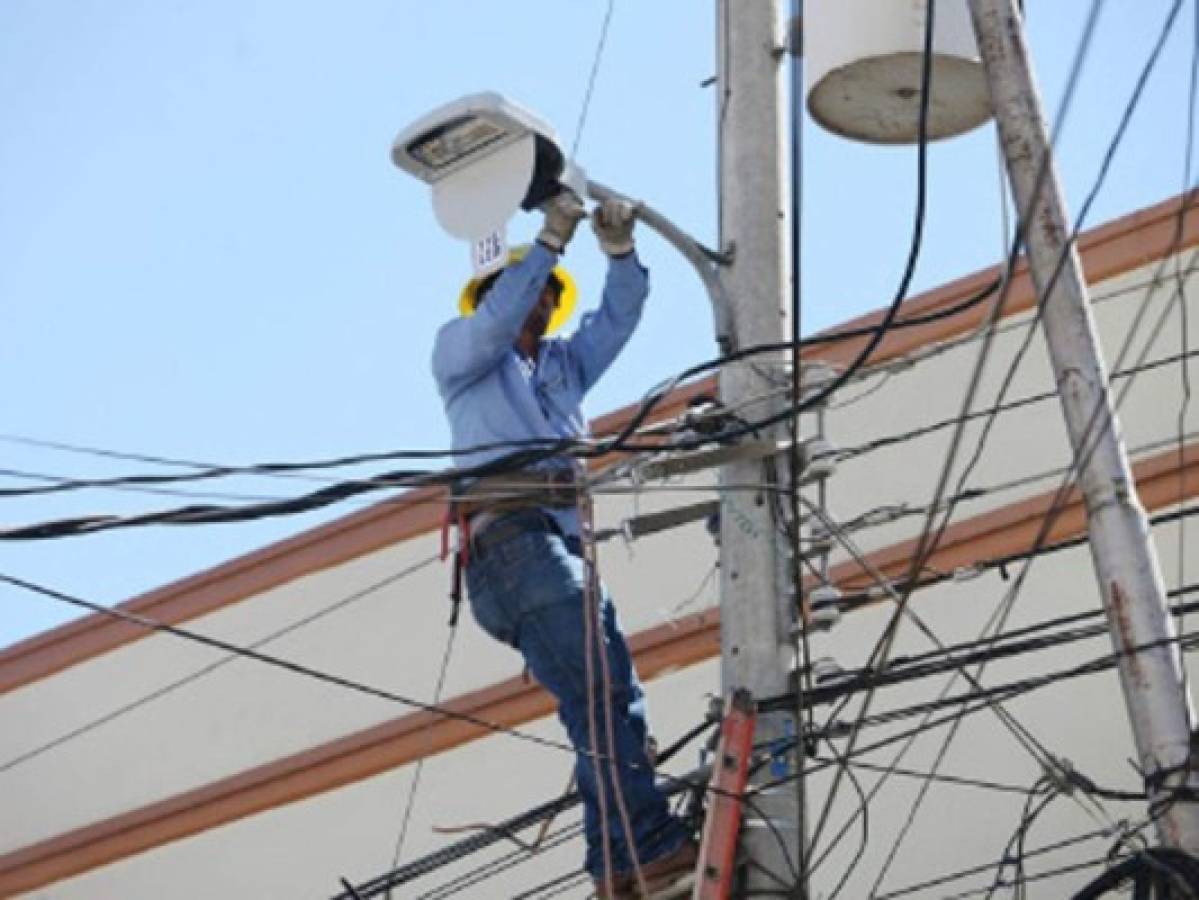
<point x="485" y="157"/>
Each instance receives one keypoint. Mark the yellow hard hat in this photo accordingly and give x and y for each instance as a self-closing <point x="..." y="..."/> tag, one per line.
<point x="566" y="301"/>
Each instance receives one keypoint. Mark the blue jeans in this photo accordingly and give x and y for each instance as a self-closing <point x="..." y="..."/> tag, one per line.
<point x="526" y="589"/>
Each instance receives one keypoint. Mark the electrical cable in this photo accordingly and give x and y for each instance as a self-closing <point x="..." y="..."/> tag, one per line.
<point x="883" y="646"/>
<point x="938" y="777"/>
<point x="315" y="674"/>
<point x="419" y="867"/>
<point x="956" y="667"/>
<point x="844" y="761"/>
<point x="345" y="490"/>
<point x="1044" y="170"/>
<point x="930" y="725"/>
<point x="889" y="514"/>
<point x="1108" y="157"/>
<point x="889" y="678"/>
<point x="924" y="546"/>
<point x="285" y="664"/>
<point x="1145" y="870"/>
<point x="492" y="868"/>
<point x="987" y="867"/>
<point x="999" y="563"/>
<point x="1140" y="83"/>
<point x="924" y="727"/>
<point x="863" y="814"/>
<point x="209" y="471"/>
<point x="878" y="332"/>
<point x="962" y="493"/>
<point x="1023" y="736"/>
<point x="553" y="446"/>
<point x="1008" y="406"/>
<point x="460" y="849"/>
<point x="592" y="642"/>
<point x="1180" y="294"/>
<point x="599" y="53"/>
<point x="414" y="785"/>
<point x="1027" y="816"/>
<point x="1013" y="643"/>
<point x="906" y="362"/>
<point x="291" y="469"/>
<point x="554" y="886"/>
<point x="921" y="182"/>
<point x="451" y="853"/>
<point x="1040" y="876"/>
<point x="883" y="380"/>
<point x="804" y="684"/>
<point x="1009" y="690"/>
<point x="172" y="686"/>
<point x="337" y="493"/>
<point x="56" y="483"/>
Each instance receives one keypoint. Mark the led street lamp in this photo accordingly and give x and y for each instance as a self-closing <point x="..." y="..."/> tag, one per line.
<point x="485" y="157"/>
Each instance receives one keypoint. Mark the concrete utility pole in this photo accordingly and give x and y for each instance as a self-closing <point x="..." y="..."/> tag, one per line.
<point x="1129" y="577"/>
<point x="757" y="612"/>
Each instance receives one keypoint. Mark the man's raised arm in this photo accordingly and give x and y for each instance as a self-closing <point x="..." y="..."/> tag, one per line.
<point x="602" y="335"/>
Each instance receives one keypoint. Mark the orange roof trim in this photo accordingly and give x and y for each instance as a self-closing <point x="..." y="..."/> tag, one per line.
<point x="514" y="702"/>
<point x="1109" y="250"/>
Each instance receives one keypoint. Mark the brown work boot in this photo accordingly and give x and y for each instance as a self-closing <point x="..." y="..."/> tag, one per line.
<point x="664" y="871"/>
<point x="622" y="888"/>
<point x="659" y="874"/>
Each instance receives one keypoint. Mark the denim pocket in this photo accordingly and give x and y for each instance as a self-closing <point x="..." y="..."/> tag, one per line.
<point x="487" y="603"/>
<point x="548" y="575"/>
<point x="519" y="551"/>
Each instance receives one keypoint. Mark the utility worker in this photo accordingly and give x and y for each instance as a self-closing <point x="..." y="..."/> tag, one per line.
<point x="503" y="383"/>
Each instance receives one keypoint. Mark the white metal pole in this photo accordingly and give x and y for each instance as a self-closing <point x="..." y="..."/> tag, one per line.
<point x="757" y="651"/>
<point x="1130" y="579"/>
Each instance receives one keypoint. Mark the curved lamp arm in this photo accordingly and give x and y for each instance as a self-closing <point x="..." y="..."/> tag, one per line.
<point x="704" y="261"/>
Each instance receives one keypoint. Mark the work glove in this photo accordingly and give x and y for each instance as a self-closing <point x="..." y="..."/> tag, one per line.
<point x="613" y="222"/>
<point x="562" y="214"/>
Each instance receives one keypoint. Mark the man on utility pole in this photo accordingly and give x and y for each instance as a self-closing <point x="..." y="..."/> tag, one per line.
<point x="523" y="540"/>
<point x="1130" y="579"/>
<point x="757" y="613"/>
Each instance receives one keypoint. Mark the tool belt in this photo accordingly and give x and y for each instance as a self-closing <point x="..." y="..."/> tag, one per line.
<point x="495" y="495"/>
<point x="513" y="491"/>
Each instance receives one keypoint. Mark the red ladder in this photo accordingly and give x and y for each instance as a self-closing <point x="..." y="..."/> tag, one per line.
<point x="730" y="773"/>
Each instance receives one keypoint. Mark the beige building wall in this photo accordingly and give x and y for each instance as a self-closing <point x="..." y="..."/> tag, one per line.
<point x="248" y="780"/>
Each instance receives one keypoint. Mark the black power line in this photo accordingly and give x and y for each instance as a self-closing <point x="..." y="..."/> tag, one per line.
<point x="931" y="536"/>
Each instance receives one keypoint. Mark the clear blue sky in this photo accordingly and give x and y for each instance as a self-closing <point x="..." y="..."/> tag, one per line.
<point x="206" y="254"/>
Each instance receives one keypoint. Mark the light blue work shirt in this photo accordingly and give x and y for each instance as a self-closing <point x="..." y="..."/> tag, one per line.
<point x="494" y="395"/>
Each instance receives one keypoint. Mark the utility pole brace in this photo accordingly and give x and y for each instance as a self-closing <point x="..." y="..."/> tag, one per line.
<point x="1130" y="580"/>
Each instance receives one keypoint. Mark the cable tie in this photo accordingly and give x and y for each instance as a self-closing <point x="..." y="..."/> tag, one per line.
<point x="1061" y="774"/>
<point x="826" y="670"/>
<point x="966" y="573"/>
<point x="838" y="729"/>
<point x="884" y="514"/>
